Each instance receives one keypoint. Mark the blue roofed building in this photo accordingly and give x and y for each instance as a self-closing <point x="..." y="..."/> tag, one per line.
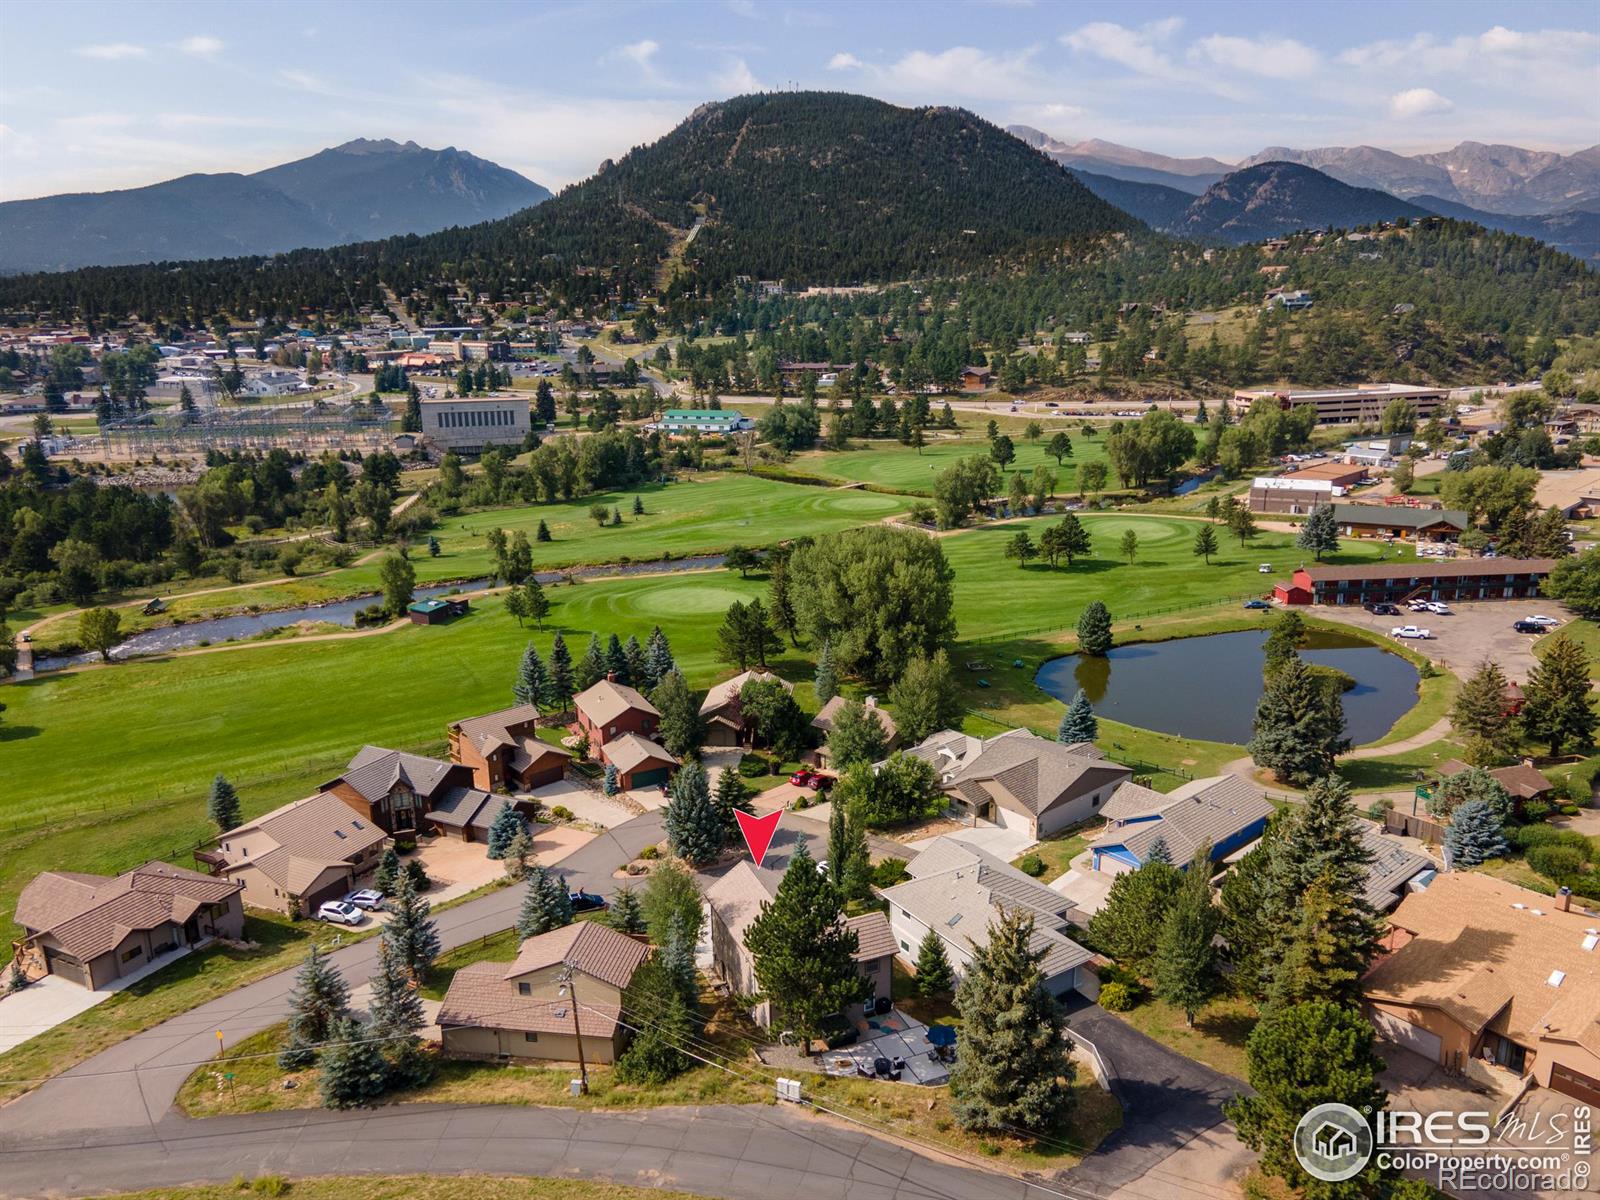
<point x="1225" y="811"/>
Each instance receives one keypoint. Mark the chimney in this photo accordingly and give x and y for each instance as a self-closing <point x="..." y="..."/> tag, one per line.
<point x="1564" y="899"/>
<point x="870" y="702"/>
<point x="611" y="676"/>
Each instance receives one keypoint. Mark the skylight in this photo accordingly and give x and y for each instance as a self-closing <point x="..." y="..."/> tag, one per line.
<point x="1556" y="978"/>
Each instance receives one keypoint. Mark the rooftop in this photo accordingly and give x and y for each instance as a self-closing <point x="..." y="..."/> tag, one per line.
<point x="1399" y="516"/>
<point x="1445" y="569"/>
<point x="596" y="950"/>
<point x="90" y="914"/>
<point x="606" y="700"/>
<point x="294" y="844"/>
<point x="1201" y="812"/>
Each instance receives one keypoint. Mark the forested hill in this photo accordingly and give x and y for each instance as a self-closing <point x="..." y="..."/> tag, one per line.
<point x="807" y="187"/>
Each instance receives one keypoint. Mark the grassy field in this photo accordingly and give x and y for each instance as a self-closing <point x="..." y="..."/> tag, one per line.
<point x="409" y="1187"/>
<point x="907" y="470"/>
<point x="1217" y="1037"/>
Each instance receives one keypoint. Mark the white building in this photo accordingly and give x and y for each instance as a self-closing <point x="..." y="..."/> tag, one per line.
<point x="472" y="423"/>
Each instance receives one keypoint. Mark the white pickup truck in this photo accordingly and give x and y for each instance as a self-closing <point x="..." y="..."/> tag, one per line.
<point x="1410" y="631"/>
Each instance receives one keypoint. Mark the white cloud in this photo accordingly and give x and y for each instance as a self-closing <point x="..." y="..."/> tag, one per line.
<point x="304" y="81"/>
<point x="1275" y="58"/>
<point x="736" y="79"/>
<point x="112" y="51"/>
<point x="639" y="53"/>
<point x="201" y="46"/>
<point x="1137" y="49"/>
<point x="1417" y="102"/>
<point x="959" y="73"/>
<point x="845" y="61"/>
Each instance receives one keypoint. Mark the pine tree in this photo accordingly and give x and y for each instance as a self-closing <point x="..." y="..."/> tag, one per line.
<point x="223" y="804"/>
<point x="695" y="829"/>
<point x="609" y="782"/>
<point x="1475" y="835"/>
<point x="533" y="681"/>
<point x="410" y="932"/>
<point x="546" y="904"/>
<point x="804" y="954"/>
<point x="662" y="1024"/>
<point x="1557" y="708"/>
<point x="1186" y="957"/>
<point x="592" y="666"/>
<point x="1205" y="543"/>
<point x="1481" y="711"/>
<point x="394" y="1016"/>
<point x="542" y="534"/>
<point x="934" y="976"/>
<point x="1319" y="533"/>
<point x="1013" y="1071"/>
<point x="503" y="830"/>
<point x="534" y="601"/>
<point x="562" y="686"/>
<point x="624" y="914"/>
<point x="354" y="1072"/>
<point x="1128" y="925"/>
<point x="517" y="852"/>
<point x="680" y="728"/>
<point x="731" y="796"/>
<point x="1078" y="723"/>
<point x="1299" y="726"/>
<point x="617" y="660"/>
<point x="320" y="999"/>
<point x="1320" y="962"/>
<point x="1283" y="643"/>
<point x="638" y="668"/>
<point x="658" y="657"/>
<point x="1159" y="852"/>
<point x="1094" y="630"/>
<point x="677" y="958"/>
<point x="827" y="682"/>
<point x="388" y="872"/>
<point x="638" y="506"/>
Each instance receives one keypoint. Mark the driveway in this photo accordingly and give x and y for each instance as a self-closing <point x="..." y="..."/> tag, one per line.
<point x="1171" y="1113"/>
<point x="1084" y="886"/>
<point x="584" y="803"/>
<point x="52" y="1000"/>
<point x="1001" y="841"/>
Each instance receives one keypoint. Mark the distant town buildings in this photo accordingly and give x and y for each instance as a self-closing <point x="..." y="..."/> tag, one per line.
<point x="1359" y="405"/>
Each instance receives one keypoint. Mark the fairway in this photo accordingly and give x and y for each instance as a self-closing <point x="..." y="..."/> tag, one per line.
<point x="905" y="469"/>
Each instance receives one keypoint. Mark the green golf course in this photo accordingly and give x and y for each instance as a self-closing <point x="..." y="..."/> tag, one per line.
<point x="905" y="469"/>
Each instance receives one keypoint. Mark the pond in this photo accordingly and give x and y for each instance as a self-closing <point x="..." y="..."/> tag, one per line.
<point x="1207" y="687"/>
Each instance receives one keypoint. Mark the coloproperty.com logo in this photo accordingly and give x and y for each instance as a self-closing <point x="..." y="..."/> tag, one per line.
<point x="1466" y="1151"/>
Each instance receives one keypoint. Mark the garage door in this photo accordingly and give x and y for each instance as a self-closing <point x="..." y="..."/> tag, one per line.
<point x="1403" y="1033"/>
<point x="1017" y="821"/>
<point x="650" y="778"/>
<point x="1575" y="1084"/>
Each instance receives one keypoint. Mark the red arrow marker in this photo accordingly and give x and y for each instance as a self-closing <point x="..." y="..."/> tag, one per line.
<point x="758" y="832"/>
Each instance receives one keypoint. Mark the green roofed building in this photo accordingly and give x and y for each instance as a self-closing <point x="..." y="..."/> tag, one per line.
<point x="681" y="422"/>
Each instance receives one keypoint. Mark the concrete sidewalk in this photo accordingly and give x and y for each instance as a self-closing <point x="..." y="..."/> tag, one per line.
<point x="51" y="1001"/>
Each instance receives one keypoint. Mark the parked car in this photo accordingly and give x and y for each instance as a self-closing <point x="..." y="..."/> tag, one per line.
<point x="820" y="782"/>
<point x="1440" y="608"/>
<point x="1547" y="622"/>
<point x="1264" y="569"/>
<point x="1410" y="631"/>
<point x="1419" y="605"/>
<point x="340" y="913"/>
<point x="366" y="898"/>
<point x="1258" y="604"/>
<point x="1530" y="627"/>
<point x="586" y="901"/>
<point x="1386" y="610"/>
<point x="802" y="778"/>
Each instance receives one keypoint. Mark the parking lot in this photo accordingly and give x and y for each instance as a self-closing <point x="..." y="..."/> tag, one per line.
<point x="1475" y="630"/>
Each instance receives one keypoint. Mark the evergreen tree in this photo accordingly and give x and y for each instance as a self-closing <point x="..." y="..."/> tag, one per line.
<point x="533" y="681"/>
<point x="1481" y="711"/>
<point x="542" y="534"/>
<point x="562" y="685"/>
<point x="1078" y="723"/>
<point x="827" y="681"/>
<point x="1242" y="898"/>
<point x="677" y="958"/>
<point x="934" y="976"/>
<point x="1319" y="532"/>
<point x="680" y="728"/>
<point x="779" y="601"/>
<point x="1094" y="630"/>
<point x="857" y="736"/>
<point x="516" y="856"/>
<point x="1299" y="725"/>
<point x="670" y="892"/>
<point x="658" y="657"/>
<point x="1013" y="1071"/>
<point x="395" y="1017"/>
<point x="503" y="830"/>
<point x="1205" y="543"/>
<point x="223" y="804"/>
<point x="388" y="872"/>
<point x="731" y="796"/>
<point x="638" y="506"/>
<point x="804" y="954"/>
<point x="592" y="666"/>
<point x="1159" y="851"/>
<point x="695" y="829"/>
<point x="1320" y="961"/>
<point x="1128" y="925"/>
<point x="1466" y="786"/>
<point x="410" y="932"/>
<point x="1283" y="643"/>
<point x="1557" y="708"/>
<point x="320" y="999"/>
<point x="1298" y="1057"/>
<point x="354" y="1072"/>
<point x="546" y="904"/>
<point x="638" y="669"/>
<point x="624" y="914"/>
<point x="617" y="660"/>
<point x="662" y="1024"/>
<point x="534" y="601"/>
<point x="1475" y="835"/>
<point x="609" y="783"/>
<point x="1185" y="965"/>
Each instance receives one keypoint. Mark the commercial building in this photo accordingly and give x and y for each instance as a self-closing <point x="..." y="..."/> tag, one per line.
<point x="1401" y="522"/>
<point x="707" y="422"/>
<point x="1291" y="495"/>
<point x="471" y="424"/>
<point x="1463" y="579"/>
<point x="1359" y="405"/>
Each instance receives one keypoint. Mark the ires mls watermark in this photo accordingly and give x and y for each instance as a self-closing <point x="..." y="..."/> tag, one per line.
<point x="1456" y="1151"/>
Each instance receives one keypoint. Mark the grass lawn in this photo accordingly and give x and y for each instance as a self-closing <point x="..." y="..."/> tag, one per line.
<point x="904" y="469"/>
<point x="190" y="981"/>
<point x="1216" y="1039"/>
<point x="409" y="1187"/>
<point x="1058" y="850"/>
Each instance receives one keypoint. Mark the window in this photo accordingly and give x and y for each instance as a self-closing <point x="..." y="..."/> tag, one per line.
<point x="131" y="954"/>
<point x="524" y="988"/>
<point x="530" y="1036"/>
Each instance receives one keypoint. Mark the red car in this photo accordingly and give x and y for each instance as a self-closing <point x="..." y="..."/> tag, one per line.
<point x="819" y="782"/>
<point x="803" y="778"/>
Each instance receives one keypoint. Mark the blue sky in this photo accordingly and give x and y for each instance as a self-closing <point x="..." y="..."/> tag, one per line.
<point x="102" y="95"/>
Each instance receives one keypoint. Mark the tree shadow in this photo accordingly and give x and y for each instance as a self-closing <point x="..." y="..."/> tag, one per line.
<point x="17" y="733"/>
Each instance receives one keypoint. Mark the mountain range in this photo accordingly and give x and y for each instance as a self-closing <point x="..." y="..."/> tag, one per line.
<point x="361" y="190"/>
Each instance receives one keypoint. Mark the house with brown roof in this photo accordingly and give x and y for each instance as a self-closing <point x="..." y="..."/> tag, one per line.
<point x="639" y="761"/>
<point x="562" y="984"/>
<point x="1493" y="981"/>
<point x="299" y="856"/>
<point x="720" y="710"/>
<point x="609" y="709"/>
<point x="505" y="753"/>
<point x="737" y="898"/>
<point x="823" y="724"/>
<point x="1023" y="781"/>
<point x="94" y="929"/>
<point x="1407" y="579"/>
<point x="1523" y="781"/>
<point x="402" y="793"/>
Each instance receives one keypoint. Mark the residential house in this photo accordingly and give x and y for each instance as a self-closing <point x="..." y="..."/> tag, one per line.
<point x="1493" y="981"/>
<point x="735" y="900"/>
<point x="1394" y="870"/>
<point x="399" y="792"/>
<point x="610" y="709"/>
<point x="958" y="890"/>
<point x="639" y="761"/>
<point x="724" y="721"/>
<point x="1401" y="580"/>
<point x="505" y="752"/>
<point x="1225" y="811"/>
<point x="823" y="724"/>
<point x="562" y="984"/>
<point x="976" y="379"/>
<point x="1523" y="781"/>
<point x="296" y="857"/>
<point x="1027" y="782"/>
<point x="94" y="929"/>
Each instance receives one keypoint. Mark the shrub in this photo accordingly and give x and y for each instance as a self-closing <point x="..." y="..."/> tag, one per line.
<point x="1526" y="837"/>
<point x="1570" y="810"/>
<point x="269" y="1185"/>
<point x="561" y="812"/>
<point x="1556" y="862"/>
<point x="890" y="872"/>
<point x="752" y="766"/>
<point x="1116" y="997"/>
<point x="650" y="853"/>
<point x="1031" y="864"/>
<point x="1380" y="808"/>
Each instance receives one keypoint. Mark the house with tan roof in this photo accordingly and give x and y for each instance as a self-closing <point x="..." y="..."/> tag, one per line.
<point x="505" y="753"/>
<point x="1493" y="981"/>
<point x="297" y="857"/>
<point x="409" y="794"/>
<point x="720" y="710"/>
<point x="1027" y="782"/>
<point x="567" y="983"/>
<point x="957" y="891"/>
<point x="94" y="929"/>
<point x="609" y="709"/>
<point x="1226" y="812"/>
<point x="823" y="724"/>
<point x="737" y="898"/>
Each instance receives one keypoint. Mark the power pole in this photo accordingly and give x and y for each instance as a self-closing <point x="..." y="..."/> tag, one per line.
<point x="569" y="988"/>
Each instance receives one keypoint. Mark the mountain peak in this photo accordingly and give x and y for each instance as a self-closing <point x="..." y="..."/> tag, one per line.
<point x="376" y="146"/>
